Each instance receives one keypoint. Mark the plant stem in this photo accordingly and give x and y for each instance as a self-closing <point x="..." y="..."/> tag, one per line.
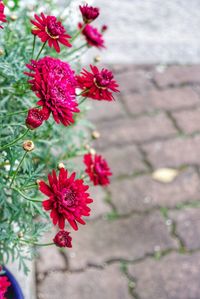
<point x="40" y="51"/>
<point x="76" y="49"/>
<point x="14" y="113"/>
<point x="82" y="101"/>
<point x="14" y="141"/>
<point x="18" y="167"/>
<point x="24" y="195"/>
<point x="37" y="244"/>
<point x="33" y="49"/>
<point x="77" y="33"/>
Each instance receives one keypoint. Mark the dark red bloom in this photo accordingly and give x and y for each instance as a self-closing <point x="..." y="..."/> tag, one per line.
<point x="68" y="198"/>
<point x="97" y="84"/>
<point x="93" y="37"/>
<point x="97" y="169"/>
<point x="4" y="284"/>
<point x="89" y="13"/>
<point x="54" y="83"/>
<point x="63" y="239"/>
<point x="48" y="28"/>
<point x="2" y="15"/>
<point x="35" y="118"/>
<point x="104" y="28"/>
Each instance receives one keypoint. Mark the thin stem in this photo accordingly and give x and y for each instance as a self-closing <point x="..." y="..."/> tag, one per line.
<point x="77" y="33"/>
<point x="18" y="167"/>
<point x="33" y="49"/>
<point x="14" y="113"/>
<point x="14" y="141"/>
<point x="25" y="196"/>
<point x="82" y="92"/>
<point x="76" y="49"/>
<point x="40" y="51"/>
<point x="82" y="101"/>
<point x="29" y="186"/>
<point x="37" y="244"/>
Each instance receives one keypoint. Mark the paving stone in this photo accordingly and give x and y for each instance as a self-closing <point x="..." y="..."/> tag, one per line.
<point x="124" y="161"/>
<point x="175" y="75"/>
<point x="129" y="238"/>
<point x="175" y="276"/>
<point x="188" y="121"/>
<point x="134" y="80"/>
<point x="99" y="206"/>
<point x="188" y="226"/>
<point x="143" y="193"/>
<point x="174" y="152"/>
<point x="125" y="131"/>
<point x="170" y="99"/>
<point x="102" y="111"/>
<point x="108" y="283"/>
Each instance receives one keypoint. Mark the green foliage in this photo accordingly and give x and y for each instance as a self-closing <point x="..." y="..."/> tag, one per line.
<point x="20" y="218"/>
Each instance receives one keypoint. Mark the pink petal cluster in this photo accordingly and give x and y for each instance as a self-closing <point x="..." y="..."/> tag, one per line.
<point x="4" y="284"/>
<point x="89" y="13"/>
<point x="67" y="198"/>
<point x="54" y="83"/>
<point x="97" y="84"/>
<point x="93" y="37"/>
<point x="2" y="15"/>
<point x="50" y="30"/>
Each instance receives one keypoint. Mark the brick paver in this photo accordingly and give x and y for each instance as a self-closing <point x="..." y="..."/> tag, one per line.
<point x="142" y="240"/>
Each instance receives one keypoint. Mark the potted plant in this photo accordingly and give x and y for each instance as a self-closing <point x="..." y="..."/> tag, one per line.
<point x="43" y="95"/>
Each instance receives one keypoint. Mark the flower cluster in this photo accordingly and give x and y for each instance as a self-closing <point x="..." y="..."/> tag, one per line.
<point x="2" y="15"/>
<point x="4" y="284"/>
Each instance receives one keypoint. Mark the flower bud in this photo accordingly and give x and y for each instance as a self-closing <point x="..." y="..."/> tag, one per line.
<point x="62" y="239"/>
<point x="97" y="58"/>
<point x="87" y="147"/>
<point x="13" y="17"/>
<point x="28" y="145"/>
<point x="89" y="13"/>
<point x="20" y="234"/>
<point x="92" y="151"/>
<point x="104" y="28"/>
<point x="1" y="52"/>
<point x="34" y="118"/>
<point x="38" y="182"/>
<point x="95" y="135"/>
<point x="61" y="165"/>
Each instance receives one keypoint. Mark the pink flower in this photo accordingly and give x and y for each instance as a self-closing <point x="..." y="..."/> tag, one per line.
<point x="97" y="84"/>
<point x="89" y="13"/>
<point x="97" y="169"/>
<point x="2" y="15"/>
<point x="67" y="200"/>
<point x="93" y="37"/>
<point x="4" y="284"/>
<point x="63" y="239"/>
<point x="48" y="28"/>
<point x="54" y="83"/>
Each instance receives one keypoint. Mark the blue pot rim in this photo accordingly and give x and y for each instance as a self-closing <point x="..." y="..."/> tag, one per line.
<point x="14" y="284"/>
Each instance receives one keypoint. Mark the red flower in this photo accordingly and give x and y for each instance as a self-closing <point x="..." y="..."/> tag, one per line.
<point x="63" y="239"/>
<point x="48" y="28"/>
<point x="2" y="15"/>
<point x="54" y="83"/>
<point x="98" y="85"/>
<point x="97" y="169"/>
<point x="104" y="28"/>
<point x="93" y="37"/>
<point x="68" y="198"/>
<point x="89" y="13"/>
<point x="35" y="118"/>
<point x="4" y="284"/>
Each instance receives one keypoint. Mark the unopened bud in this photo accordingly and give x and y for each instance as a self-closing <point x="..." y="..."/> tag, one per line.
<point x="38" y="182"/>
<point x="13" y="17"/>
<point x="20" y="234"/>
<point x="92" y="151"/>
<point x="1" y="52"/>
<point x="97" y="58"/>
<point x="28" y="145"/>
<point x="95" y="134"/>
<point x="61" y="165"/>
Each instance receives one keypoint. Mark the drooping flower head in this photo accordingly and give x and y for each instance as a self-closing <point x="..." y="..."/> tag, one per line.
<point x="98" y="84"/>
<point x="2" y="15"/>
<point x="63" y="239"/>
<point x="97" y="169"/>
<point x="35" y="118"/>
<point x="50" y="30"/>
<point x="67" y="200"/>
<point x="93" y="37"/>
<point x="4" y="284"/>
<point x="89" y="13"/>
<point x="54" y="83"/>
